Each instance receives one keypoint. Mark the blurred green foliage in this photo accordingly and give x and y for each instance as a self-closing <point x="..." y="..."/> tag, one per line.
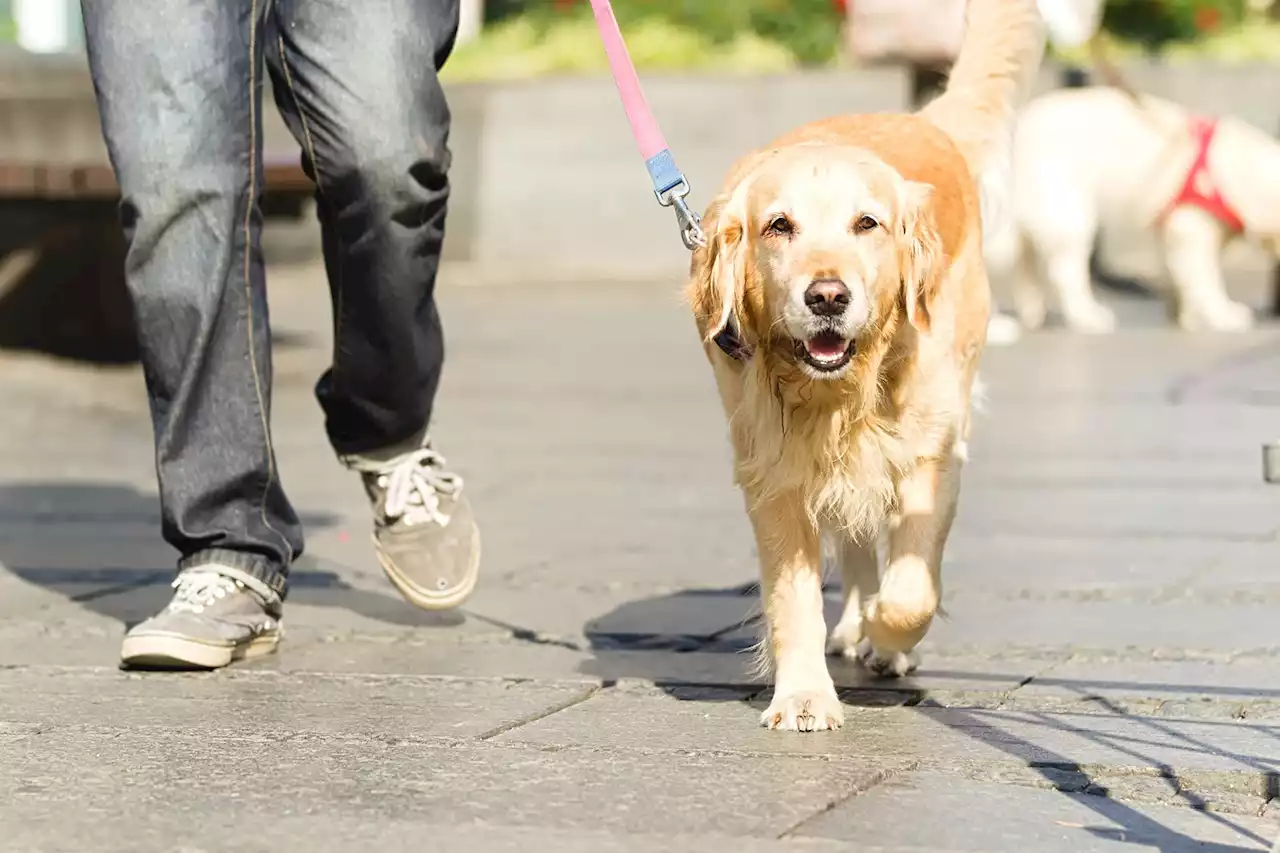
<point x="809" y="29"/>
<point x="540" y="37"/>
<point x="1157" y="24"/>
<point x="529" y="38"/>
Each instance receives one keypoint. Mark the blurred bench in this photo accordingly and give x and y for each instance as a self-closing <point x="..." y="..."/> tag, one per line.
<point x="62" y="254"/>
<point x="285" y="181"/>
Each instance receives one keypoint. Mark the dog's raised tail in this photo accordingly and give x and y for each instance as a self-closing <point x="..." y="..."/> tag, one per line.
<point x="999" y="57"/>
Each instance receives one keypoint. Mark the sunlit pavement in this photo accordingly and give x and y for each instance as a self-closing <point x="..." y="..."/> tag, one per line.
<point x="1108" y="677"/>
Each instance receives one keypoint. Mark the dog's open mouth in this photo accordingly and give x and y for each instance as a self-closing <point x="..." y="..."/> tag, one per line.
<point x="826" y="351"/>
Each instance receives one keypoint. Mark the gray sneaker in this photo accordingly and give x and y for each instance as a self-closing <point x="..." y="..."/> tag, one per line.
<point x="424" y="533"/>
<point x="215" y="618"/>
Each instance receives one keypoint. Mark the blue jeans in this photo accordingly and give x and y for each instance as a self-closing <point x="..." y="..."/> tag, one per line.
<point x="179" y="87"/>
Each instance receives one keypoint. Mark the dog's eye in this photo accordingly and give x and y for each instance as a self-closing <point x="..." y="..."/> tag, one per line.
<point x="865" y="224"/>
<point x="780" y="225"/>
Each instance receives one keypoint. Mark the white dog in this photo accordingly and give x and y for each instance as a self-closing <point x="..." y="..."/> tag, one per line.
<point x="1070" y="23"/>
<point x="1096" y="157"/>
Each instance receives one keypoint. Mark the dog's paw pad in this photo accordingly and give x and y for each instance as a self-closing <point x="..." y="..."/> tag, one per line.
<point x="804" y="711"/>
<point x="887" y="664"/>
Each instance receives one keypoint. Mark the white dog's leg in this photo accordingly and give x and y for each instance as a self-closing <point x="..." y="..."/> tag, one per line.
<point x="1027" y="288"/>
<point x="1059" y="222"/>
<point x="804" y="696"/>
<point x="1000" y="251"/>
<point x="1067" y="270"/>
<point x="860" y="574"/>
<point x="1193" y="242"/>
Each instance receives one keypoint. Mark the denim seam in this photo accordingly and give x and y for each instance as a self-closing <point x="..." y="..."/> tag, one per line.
<point x="309" y="142"/>
<point x="248" y="280"/>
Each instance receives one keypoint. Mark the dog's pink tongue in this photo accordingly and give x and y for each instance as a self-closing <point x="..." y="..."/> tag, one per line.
<point x="826" y="346"/>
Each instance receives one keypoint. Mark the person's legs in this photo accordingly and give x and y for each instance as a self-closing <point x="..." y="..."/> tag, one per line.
<point x="177" y="86"/>
<point x="358" y="86"/>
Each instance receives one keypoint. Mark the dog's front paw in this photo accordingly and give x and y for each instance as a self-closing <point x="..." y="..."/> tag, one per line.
<point x="887" y="664"/>
<point x="897" y="617"/>
<point x="1229" y="317"/>
<point x="804" y="711"/>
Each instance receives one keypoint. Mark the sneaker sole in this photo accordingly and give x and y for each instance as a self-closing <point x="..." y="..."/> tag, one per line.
<point x="167" y="652"/>
<point x="416" y="596"/>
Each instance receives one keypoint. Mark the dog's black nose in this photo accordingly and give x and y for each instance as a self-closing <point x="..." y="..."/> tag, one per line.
<point x="827" y="297"/>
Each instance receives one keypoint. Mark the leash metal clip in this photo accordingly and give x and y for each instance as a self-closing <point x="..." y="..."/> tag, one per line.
<point x="691" y="233"/>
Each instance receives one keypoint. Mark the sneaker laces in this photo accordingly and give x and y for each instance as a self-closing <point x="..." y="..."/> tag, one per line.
<point x="413" y="485"/>
<point x="198" y="589"/>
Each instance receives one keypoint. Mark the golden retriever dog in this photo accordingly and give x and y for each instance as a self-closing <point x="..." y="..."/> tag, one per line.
<point x="843" y="302"/>
<point x="1143" y="170"/>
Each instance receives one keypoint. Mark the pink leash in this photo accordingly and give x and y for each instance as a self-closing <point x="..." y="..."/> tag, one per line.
<point x="669" y="183"/>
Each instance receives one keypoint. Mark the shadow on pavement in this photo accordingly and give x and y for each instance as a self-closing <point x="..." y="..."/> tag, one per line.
<point x="620" y="650"/>
<point x="99" y="546"/>
<point x="1131" y="825"/>
<point x="716" y="648"/>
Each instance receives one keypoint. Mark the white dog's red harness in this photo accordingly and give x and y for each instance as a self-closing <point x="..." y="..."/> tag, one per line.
<point x="1199" y="189"/>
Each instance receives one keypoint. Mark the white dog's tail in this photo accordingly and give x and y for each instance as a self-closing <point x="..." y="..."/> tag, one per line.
<point x="999" y="58"/>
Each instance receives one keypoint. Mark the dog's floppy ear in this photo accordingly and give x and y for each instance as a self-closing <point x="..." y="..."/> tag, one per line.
<point x="919" y="253"/>
<point x="716" y="285"/>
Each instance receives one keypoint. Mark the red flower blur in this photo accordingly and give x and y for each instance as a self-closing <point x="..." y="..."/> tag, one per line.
<point x="1208" y="19"/>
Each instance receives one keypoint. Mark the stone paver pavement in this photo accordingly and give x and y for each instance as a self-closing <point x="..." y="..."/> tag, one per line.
<point x="1108" y="677"/>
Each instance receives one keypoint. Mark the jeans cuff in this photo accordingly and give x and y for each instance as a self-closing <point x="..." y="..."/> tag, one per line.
<point x="254" y="566"/>
<point x="383" y="455"/>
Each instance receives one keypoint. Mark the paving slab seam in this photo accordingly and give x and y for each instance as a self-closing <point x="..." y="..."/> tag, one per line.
<point x="1203" y="790"/>
<point x="1220" y="561"/>
<point x="433" y="742"/>
<point x="425" y="679"/>
<point x="877" y="778"/>
<point x="978" y="481"/>
<point x="527" y="635"/>
<point x="1208" y="712"/>
<point x="1139" y="534"/>
<point x="413" y="637"/>
<point x="1005" y="696"/>
<point x="176" y="735"/>
<point x="1175" y="594"/>
<point x="763" y="756"/>
<point x="1088" y="654"/>
<point x="1214" y="711"/>
<point x="541" y="714"/>
<point x="247" y="674"/>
